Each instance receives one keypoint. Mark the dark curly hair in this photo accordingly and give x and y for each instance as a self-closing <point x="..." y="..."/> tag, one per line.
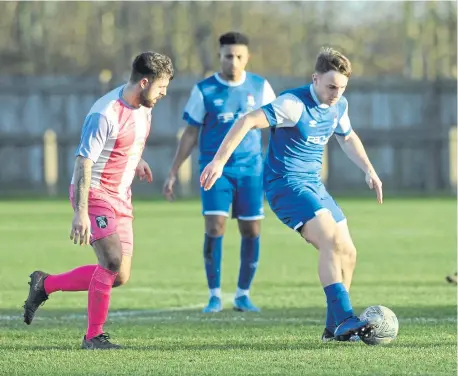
<point x="152" y="65"/>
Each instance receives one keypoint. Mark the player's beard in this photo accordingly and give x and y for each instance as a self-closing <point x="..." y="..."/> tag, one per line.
<point x="147" y="102"/>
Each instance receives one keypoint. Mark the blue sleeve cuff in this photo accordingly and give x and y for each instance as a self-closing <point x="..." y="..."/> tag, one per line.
<point x="344" y="134"/>
<point x="188" y="119"/>
<point x="270" y="114"/>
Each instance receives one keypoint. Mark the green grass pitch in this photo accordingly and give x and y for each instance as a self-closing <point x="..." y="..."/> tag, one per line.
<point x="405" y="249"/>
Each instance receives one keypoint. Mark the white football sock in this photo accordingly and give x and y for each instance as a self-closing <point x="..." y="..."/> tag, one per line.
<point x="241" y="292"/>
<point x="215" y="292"/>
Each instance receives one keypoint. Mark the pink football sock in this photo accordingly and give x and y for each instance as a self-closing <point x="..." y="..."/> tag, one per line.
<point x="74" y="280"/>
<point x="99" y="300"/>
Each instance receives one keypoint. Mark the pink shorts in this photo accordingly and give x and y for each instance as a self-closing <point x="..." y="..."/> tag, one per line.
<point x="106" y="221"/>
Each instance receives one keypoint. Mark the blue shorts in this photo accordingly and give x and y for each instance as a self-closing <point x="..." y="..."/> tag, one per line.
<point x="296" y="204"/>
<point x="243" y="191"/>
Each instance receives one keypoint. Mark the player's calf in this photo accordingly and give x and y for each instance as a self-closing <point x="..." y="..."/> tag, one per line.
<point x="124" y="270"/>
<point x="249" y="259"/>
<point x="322" y="232"/>
<point x="348" y="264"/>
<point x="121" y="280"/>
<point x="37" y="295"/>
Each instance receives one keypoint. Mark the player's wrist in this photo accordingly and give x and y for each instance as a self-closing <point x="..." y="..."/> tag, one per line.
<point x="82" y="210"/>
<point x="173" y="173"/>
<point x="368" y="169"/>
<point x="220" y="160"/>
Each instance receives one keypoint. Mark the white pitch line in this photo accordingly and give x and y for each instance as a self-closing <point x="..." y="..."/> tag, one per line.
<point x="296" y="320"/>
<point x="132" y="313"/>
<point x="158" y="315"/>
<point x="225" y="297"/>
<point x="139" y="316"/>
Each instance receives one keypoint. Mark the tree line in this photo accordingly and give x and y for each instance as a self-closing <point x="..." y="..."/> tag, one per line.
<point x="408" y="39"/>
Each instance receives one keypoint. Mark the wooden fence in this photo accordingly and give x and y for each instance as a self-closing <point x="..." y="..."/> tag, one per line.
<point x="405" y="126"/>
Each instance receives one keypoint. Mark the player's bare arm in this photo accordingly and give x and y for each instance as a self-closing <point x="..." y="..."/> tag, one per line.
<point x="80" y="232"/>
<point x="254" y="120"/>
<point x="353" y="147"/>
<point x="82" y="173"/>
<point x="187" y="142"/>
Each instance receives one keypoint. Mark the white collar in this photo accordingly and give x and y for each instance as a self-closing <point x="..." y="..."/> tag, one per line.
<point x="231" y="83"/>
<point x="315" y="98"/>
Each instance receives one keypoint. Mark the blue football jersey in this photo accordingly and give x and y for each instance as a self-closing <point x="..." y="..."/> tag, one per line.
<point x="300" y="129"/>
<point x="215" y="105"/>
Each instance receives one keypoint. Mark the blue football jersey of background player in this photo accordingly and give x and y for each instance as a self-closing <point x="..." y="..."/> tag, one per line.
<point x="215" y="105"/>
<point x="300" y="129"/>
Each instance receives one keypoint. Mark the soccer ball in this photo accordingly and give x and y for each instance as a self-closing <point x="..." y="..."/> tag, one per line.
<point x="385" y="325"/>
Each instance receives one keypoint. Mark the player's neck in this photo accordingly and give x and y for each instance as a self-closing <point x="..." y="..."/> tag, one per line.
<point x="130" y="96"/>
<point x="316" y="98"/>
<point x="233" y="79"/>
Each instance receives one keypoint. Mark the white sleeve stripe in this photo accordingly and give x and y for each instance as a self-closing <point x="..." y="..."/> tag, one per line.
<point x="195" y="107"/>
<point x="287" y="124"/>
<point x="288" y="110"/>
<point x="95" y="133"/>
<point x="344" y="122"/>
<point x="268" y="94"/>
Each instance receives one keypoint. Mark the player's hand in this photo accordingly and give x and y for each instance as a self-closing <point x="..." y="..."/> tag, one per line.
<point x="374" y="182"/>
<point x="211" y="173"/>
<point x="167" y="189"/>
<point x="143" y="171"/>
<point x="81" y="228"/>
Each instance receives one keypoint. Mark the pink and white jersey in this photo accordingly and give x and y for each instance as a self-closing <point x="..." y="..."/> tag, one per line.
<point x="113" y="137"/>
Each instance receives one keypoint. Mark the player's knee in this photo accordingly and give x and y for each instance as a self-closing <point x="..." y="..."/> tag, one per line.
<point x="249" y="234"/>
<point x="121" y="279"/>
<point x="321" y="232"/>
<point x="249" y="230"/>
<point x="214" y="227"/>
<point x="338" y="245"/>
<point x="349" y="253"/>
<point x="215" y="231"/>
<point x="113" y="263"/>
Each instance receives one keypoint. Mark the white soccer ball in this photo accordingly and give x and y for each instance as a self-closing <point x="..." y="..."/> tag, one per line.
<point x="385" y="325"/>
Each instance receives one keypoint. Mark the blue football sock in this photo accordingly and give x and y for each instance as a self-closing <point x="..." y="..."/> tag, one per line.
<point x="212" y="257"/>
<point x="249" y="256"/>
<point x="330" y="321"/>
<point x="338" y="302"/>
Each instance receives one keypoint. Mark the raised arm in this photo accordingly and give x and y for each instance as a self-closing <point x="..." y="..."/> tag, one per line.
<point x="284" y="111"/>
<point x="255" y="119"/>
